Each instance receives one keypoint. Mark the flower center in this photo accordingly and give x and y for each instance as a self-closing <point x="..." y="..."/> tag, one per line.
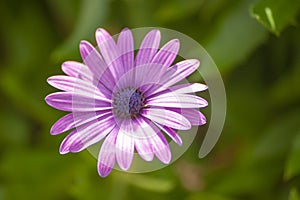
<point x="128" y="103"/>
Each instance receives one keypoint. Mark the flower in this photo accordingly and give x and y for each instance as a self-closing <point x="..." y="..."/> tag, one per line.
<point x="128" y="101"/>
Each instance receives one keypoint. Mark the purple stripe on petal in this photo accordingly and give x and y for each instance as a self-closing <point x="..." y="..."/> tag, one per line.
<point x="125" y="145"/>
<point x="96" y="64"/>
<point x="144" y="77"/>
<point x="174" y="100"/>
<point x="107" y="154"/>
<point x="126" y="80"/>
<point x="69" y="139"/>
<point x="167" y="53"/>
<point x="147" y="75"/>
<point x="167" y="118"/>
<point x="79" y="70"/>
<point x="63" y="124"/>
<point x="171" y="133"/>
<point x="68" y="101"/>
<point x="89" y="133"/>
<point x="92" y="58"/>
<point x="178" y="89"/>
<point x="175" y="74"/>
<point x="159" y="144"/>
<point x="110" y="52"/>
<point x="85" y="51"/>
<point x="77" y="145"/>
<point x="194" y="116"/>
<point x="76" y="85"/>
<point x="94" y="131"/>
<point x="141" y="140"/>
<point x="126" y="46"/>
<point x="163" y="153"/>
<point x="180" y="70"/>
<point x="148" y="48"/>
<point x="143" y="147"/>
<point x="73" y="120"/>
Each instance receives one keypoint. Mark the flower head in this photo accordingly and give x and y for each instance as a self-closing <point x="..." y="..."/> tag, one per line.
<point x="129" y="101"/>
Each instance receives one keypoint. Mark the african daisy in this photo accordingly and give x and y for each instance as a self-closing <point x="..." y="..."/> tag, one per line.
<point x="129" y="101"/>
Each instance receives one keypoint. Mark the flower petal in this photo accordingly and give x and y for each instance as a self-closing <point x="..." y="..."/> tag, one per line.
<point x="73" y="120"/>
<point x="125" y="145"/>
<point x="161" y="148"/>
<point x="88" y="134"/>
<point x="110" y="53"/>
<point x="159" y="144"/>
<point x="126" y="47"/>
<point x="188" y="88"/>
<point x="167" y="118"/>
<point x="77" y="70"/>
<point x="69" y="139"/>
<point x="107" y="154"/>
<point x="194" y="116"/>
<point x="68" y="101"/>
<point x="63" y="124"/>
<point x="171" y="133"/>
<point x="167" y="53"/>
<point x="141" y="140"/>
<point x="147" y="75"/>
<point x="76" y="85"/>
<point x="174" y="100"/>
<point x="144" y="77"/>
<point x="175" y="74"/>
<point x="96" y="64"/>
<point x="180" y="70"/>
<point x="148" y="48"/>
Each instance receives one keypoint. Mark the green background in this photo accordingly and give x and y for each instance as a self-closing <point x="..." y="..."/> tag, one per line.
<point x="257" y="52"/>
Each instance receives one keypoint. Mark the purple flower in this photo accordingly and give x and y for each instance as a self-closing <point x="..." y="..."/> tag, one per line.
<point x="128" y="101"/>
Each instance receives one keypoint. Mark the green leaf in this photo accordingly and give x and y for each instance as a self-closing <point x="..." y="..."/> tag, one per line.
<point x="292" y="167"/>
<point x="294" y="195"/>
<point x="275" y="15"/>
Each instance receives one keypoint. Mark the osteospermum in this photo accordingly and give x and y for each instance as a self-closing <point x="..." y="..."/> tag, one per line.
<point x="129" y="101"/>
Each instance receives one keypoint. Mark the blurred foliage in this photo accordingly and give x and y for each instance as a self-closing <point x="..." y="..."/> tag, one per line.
<point x="276" y="15"/>
<point x="258" y="154"/>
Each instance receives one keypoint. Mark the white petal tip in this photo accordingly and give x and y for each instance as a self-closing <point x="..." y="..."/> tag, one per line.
<point x="124" y="163"/>
<point x="124" y="167"/>
<point x="166" y="161"/>
<point x="125" y="29"/>
<point x="84" y="43"/>
<point x="175" y="41"/>
<point x="53" y="131"/>
<point x="155" y="31"/>
<point x="147" y="157"/>
<point x="64" y="151"/>
<point x="195" y="62"/>
<point x="179" y="142"/>
<point x="100" y="30"/>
